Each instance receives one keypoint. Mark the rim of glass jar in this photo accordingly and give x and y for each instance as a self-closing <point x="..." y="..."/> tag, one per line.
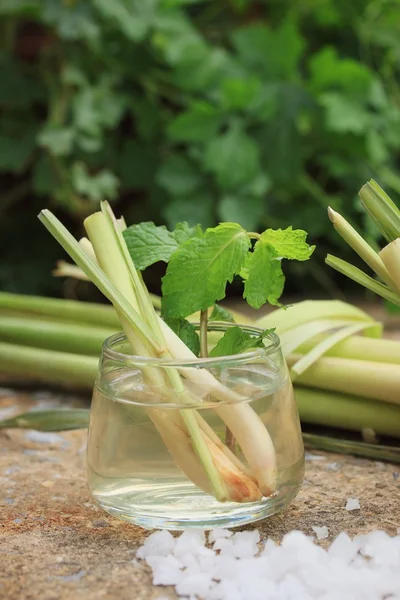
<point x="243" y="358"/>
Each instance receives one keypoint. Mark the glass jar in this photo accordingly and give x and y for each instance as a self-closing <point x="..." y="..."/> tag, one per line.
<point x="202" y="443"/>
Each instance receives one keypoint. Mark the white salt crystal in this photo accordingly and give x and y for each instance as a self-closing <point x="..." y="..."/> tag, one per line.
<point x="321" y="532"/>
<point x="352" y="504"/>
<point x="190" y="541"/>
<point x="160" y="543"/>
<point x="226" y="590"/>
<point x="198" y="584"/>
<point x="216" y="534"/>
<point x="343" y="548"/>
<point x="365" y="568"/>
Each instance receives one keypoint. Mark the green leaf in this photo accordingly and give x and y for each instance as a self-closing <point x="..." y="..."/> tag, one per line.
<point x="236" y="341"/>
<point x="279" y="139"/>
<point x="132" y="17"/>
<point x="178" y="176"/>
<point x="329" y="71"/>
<point x="148" y="243"/>
<point x="199" y="270"/>
<point x="274" y="53"/>
<point x="58" y="140"/>
<point x="288" y="243"/>
<point x="264" y="277"/>
<point x="233" y="157"/>
<point x="243" y="209"/>
<point x="239" y="93"/>
<point x="198" y="124"/>
<point x="194" y="208"/>
<point x="186" y="331"/>
<point x="221" y="314"/>
<point x="344" y="115"/>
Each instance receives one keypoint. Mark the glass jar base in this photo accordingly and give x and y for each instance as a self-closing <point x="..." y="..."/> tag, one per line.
<point x="199" y="512"/>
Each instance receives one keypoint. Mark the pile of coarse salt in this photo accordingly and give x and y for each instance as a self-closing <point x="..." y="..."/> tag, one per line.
<point x="237" y="566"/>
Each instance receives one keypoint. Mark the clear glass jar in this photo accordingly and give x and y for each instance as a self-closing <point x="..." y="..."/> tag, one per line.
<point x="145" y="468"/>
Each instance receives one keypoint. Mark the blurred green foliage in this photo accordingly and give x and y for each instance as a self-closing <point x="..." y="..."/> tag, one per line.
<point x="261" y="112"/>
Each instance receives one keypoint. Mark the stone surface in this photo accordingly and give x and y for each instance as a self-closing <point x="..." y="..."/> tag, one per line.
<point x="55" y="544"/>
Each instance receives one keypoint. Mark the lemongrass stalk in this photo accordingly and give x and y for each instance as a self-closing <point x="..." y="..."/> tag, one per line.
<point x="109" y="250"/>
<point x="285" y="319"/>
<point x="362" y="278"/>
<point x="306" y="360"/>
<point x="60" y="309"/>
<point x="87" y="247"/>
<point x="378" y="381"/>
<point x="360" y="348"/>
<point x="348" y="412"/>
<point x="382" y="210"/>
<point x="360" y="246"/>
<point x="390" y="256"/>
<point x="67" y="369"/>
<point x="292" y="339"/>
<point x="53" y="335"/>
<point x="330" y="444"/>
<point x="105" y="285"/>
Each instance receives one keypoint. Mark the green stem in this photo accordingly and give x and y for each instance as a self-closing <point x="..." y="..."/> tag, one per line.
<point x="54" y="335"/>
<point x="360" y="348"/>
<point x="360" y="246"/>
<point x="362" y="278"/>
<point x="378" y="381"/>
<point x="345" y="411"/>
<point x="203" y="333"/>
<point x="60" y="309"/>
<point x="330" y="444"/>
<point x="72" y="370"/>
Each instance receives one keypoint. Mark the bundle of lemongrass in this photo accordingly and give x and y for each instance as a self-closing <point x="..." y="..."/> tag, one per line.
<point x="341" y="380"/>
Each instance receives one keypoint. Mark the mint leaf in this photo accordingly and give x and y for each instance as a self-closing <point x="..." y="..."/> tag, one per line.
<point x="233" y="157"/>
<point x="288" y="243"/>
<point x="236" y="341"/>
<point x="264" y="279"/>
<point x="186" y="331"/>
<point x="198" y="124"/>
<point x="147" y="243"/>
<point x="199" y="270"/>
<point x="221" y="314"/>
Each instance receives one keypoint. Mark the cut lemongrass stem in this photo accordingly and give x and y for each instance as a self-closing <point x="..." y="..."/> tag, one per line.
<point x="309" y="311"/>
<point x="77" y="338"/>
<point x="60" y="309"/>
<point x="346" y="411"/>
<point x="390" y="255"/>
<point x="360" y="348"/>
<point x="39" y="365"/>
<point x="379" y="381"/>
<point x="362" y="278"/>
<point x="105" y="237"/>
<point x="71" y="246"/>
<point x="382" y="210"/>
<point x="360" y="246"/>
<point x="306" y="360"/>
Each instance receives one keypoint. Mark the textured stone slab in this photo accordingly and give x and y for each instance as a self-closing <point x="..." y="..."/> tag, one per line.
<point x="55" y="544"/>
